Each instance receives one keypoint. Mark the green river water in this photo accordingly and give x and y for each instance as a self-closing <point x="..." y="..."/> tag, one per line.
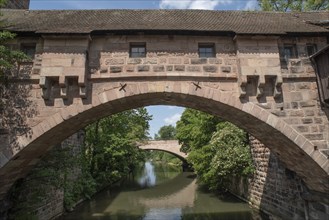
<point x="158" y="192"/>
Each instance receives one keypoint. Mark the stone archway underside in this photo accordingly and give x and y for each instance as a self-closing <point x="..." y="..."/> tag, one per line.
<point x="109" y="98"/>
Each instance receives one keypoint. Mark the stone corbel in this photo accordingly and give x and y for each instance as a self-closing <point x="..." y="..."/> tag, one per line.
<point x="63" y="84"/>
<point x="277" y="86"/>
<point x="44" y="83"/>
<point x="82" y="86"/>
<point x="242" y="85"/>
<point x="260" y="86"/>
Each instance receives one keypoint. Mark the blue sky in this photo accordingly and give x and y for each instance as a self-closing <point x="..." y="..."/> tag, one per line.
<point x="162" y="115"/>
<point x="145" y="4"/>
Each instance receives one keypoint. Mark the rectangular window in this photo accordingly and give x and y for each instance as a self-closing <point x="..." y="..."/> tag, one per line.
<point x="137" y="50"/>
<point x="311" y="49"/>
<point x="29" y="50"/>
<point x="290" y="51"/>
<point x="206" y="50"/>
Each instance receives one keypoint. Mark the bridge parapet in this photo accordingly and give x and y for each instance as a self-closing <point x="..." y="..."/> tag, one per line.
<point x="169" y="146"/>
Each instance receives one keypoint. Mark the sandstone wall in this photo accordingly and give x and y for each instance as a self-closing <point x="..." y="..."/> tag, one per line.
<point x="278" y="191"/>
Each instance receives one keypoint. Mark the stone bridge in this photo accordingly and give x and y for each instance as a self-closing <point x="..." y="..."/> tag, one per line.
<point x="92" y="64"/>
<point x="169" y="146"/>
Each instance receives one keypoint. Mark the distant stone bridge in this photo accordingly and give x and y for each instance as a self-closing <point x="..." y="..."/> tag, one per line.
<point x="169" y="146"/>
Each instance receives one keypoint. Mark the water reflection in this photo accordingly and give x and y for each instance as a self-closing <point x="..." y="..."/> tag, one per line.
<point x="148" y="178"/>
<point x="159" y="192"/>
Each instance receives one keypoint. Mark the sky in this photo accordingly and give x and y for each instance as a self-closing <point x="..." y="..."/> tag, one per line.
<point x="162" y="115"/>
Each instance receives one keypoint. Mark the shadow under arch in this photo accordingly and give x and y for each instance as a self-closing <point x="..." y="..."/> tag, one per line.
<point x="169" y="152"/>
<point x="292" y="148"/>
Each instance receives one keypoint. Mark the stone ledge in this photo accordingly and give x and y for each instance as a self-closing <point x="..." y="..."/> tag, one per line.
<point x="172" y="75"/>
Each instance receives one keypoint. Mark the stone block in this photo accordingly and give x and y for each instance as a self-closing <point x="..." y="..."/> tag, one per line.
<point x="150" y="61"/>
<point x="51" y="71"/>
<point x="193" y="69"/>
<point x="169" y="68"/>
<point x="307" y="104"/>
<point x="297" y="69"/>
<point x="114" y="61"/>
<point x="175" y="60"/>
<point x="307" y="120"/>
<point x="296" y="96"/>
<point x="314" y="136"/>
<point x="130" y="69"/>
<point x="309" y="112"/>
<point x="215" y="61"/>
<point x="303" y="129"/>
<point x="210" y="69"/>
<point x="134" y="61"/>
<point x="226" y="69"/>
<point x="198" y="61"/>
<point x="158" y="68"/>
<point x="179" y="68"/>
<point x="103" y="69"/>
<point x="143" y="68"/>
<point x="115" y="69"/>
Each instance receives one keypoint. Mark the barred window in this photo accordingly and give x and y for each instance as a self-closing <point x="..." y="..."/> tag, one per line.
<point x="137" y="50"/>
<point x="206" y="50"/>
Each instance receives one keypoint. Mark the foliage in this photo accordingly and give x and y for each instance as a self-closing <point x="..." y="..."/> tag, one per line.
<point x="195" y="128"/>
<point x="293" y="5"/>
<point x="218" y="150"/>
<point x="167" y="132"/>
<point x="227" y="155"/>
<point x="111" y="145"/>
<point x="53" y="173"/>
<point x="164" y="157"/>
<point x="8" y="58"/>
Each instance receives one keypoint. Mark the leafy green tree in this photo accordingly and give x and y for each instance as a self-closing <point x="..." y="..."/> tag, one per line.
<point x="293" y="5"/>
<point x="167" y="132"/>
<point x="8" y="58"/>
<point x="195" y="128"/>
<point x="218" y="150"/>
<point x="227" y="155"/>
<point x="111" y="144"/>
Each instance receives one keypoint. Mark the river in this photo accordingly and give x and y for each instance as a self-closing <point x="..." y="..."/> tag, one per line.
<point x="159" y="192"/>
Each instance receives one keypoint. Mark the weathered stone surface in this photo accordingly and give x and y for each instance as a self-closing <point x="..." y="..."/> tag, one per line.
<point x="193" y="69"/>
<point x="114" y="61"/>
<point x="226" y="69"/>
<point x="115" y="69"/>
<point x="199" y="61"/>
<point x="215" y="61"/>
<point x="179" y="68"/>
<point x="158" y="68"/>
<point x="236" y="97"/>
<point x="210" y="69"/>
<point x="134" y="61"/>
<point x="143" y="68"/>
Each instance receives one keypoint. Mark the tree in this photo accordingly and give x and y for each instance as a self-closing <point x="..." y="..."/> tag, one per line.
<point x="218" y="150"/>
<point x="167" y="132"/>
<point x="195" y="128"/>
<point x="8" y="58"/>
<point x="293" y="5"/>
<point x="111" y="144"/>
<point x="227" y="155"/>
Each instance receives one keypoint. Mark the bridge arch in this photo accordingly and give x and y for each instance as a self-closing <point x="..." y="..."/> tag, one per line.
<point x="168" y="146"/>
<point x="108" y="98"/>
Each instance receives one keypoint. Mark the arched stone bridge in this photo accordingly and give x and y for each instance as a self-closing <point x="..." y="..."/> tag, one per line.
<point x="169" y="146"/>
<point x="81" y="74"/>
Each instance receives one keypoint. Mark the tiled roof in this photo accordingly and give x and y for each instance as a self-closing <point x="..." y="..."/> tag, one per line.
<point x="239" y="22"/>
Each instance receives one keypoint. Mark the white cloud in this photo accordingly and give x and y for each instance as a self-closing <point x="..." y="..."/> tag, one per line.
<point x="173" y="119"/>
<point x="193" y="4"/>
<point x="251" y="5"/>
